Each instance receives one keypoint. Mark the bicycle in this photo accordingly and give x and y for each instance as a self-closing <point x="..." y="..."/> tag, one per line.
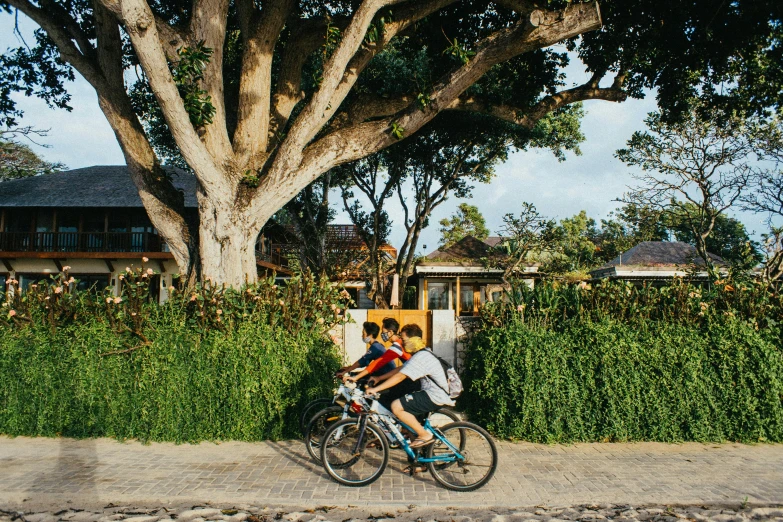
<point x="320" y="422"/>
<point x="355" y="451"/>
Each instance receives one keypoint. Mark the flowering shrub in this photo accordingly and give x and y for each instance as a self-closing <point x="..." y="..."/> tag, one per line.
<point x="210" y="363"/>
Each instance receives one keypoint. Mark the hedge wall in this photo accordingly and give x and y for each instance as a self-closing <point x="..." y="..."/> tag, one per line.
<point x="631" y="381"/>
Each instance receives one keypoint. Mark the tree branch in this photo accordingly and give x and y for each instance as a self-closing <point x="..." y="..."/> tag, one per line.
<point x="140" y="25"/>
<point x="255" y="86"/>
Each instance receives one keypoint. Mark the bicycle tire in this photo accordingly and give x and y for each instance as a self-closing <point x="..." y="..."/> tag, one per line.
<point x="310" y="409"/>
<point x="344" y="470"/>
<point x="317" y="427"/>
<point x="446" y="475"/>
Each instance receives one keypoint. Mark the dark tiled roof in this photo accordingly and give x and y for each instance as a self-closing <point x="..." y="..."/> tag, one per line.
<point x="99" y="186"/>
<point x="468" y="248"/>
<point x="661" y="253"/>
<point x="472" y="248"/>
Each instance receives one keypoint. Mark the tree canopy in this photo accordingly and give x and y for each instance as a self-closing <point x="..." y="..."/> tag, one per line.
<point x="262" y="98"/>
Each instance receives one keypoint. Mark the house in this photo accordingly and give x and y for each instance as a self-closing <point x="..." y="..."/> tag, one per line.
<point x="92" y="220"/>
<point x="657" y="261"/>
<point x="458" y="278"/>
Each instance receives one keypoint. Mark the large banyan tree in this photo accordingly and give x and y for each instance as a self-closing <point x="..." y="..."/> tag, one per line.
<point x="262" y="97"/>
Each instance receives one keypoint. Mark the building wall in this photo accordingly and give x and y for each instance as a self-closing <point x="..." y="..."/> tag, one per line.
<point x="37" y="269"/>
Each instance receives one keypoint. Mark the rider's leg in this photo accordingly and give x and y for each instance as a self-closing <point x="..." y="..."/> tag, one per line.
<point x="410" y="420"/>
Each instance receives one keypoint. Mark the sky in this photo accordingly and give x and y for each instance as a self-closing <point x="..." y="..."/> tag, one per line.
<point x="592" y="181"/>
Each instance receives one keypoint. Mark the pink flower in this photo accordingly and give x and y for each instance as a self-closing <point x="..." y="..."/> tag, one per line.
<point x="333" y="306"/>
<point x="133" y="314"/>
<point x="150" y="271"/>
<point x="192" y="298"/>
<point x="521" y="308"/>
<point x="281" y="302"/>
<point x="171" y="289"/>
<point x="117" y="300"/>
<point x="145" y="259"/>
<point x="122" y="277"/>
<point x="144" y="276"/>
<point x="337" y="310"/>
<point x="108" y="300"/>
<point x="220" y="312"/>
<point x="71" y="281"/>
<point x="58" y="290"/>
<point x="127" y="269"/>
<point x="66" y="268"/>
<point x="11" y="313"/>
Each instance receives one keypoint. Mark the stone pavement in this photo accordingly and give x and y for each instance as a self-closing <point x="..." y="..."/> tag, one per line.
<point x="40" y="472"/>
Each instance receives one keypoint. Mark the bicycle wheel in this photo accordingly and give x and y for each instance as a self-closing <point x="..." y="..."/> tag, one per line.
<point x="478" y="448"/>
<point x="348" y="460"/>
<point x="310" y="409"/>
<point x="318" y="426"/>
<point x="443" y="416"/>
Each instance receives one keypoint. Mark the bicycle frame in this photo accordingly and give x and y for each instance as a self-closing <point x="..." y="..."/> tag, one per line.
<point x="388" y="424"/>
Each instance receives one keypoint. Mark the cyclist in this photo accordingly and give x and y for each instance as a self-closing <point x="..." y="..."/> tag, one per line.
<point x="375" y="351"/>
<point x="390" y="326"/>
<point x="423" y="368"/>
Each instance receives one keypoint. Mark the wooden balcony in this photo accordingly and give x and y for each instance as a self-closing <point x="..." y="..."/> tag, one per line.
<point x="80" y="242"/>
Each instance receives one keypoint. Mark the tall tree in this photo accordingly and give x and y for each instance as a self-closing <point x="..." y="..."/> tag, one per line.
<point x="466" y="221"/>
<point x="17" y="160"/>
<point x="526" y="237"/>
<point x="693" y="170"/>
<point x="766" y="196"/>
<point x="627" y="227"/>
<point x="262" y="98"/>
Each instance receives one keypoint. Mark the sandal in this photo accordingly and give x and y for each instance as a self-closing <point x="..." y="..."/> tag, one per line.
<point x="420" y="443"/>
<point x="412" y="470"/>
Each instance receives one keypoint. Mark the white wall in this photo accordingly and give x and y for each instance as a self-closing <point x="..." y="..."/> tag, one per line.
<point x="444" y="335"/>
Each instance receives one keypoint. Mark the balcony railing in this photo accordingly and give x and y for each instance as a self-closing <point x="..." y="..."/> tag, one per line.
<point x="80" y="242"/>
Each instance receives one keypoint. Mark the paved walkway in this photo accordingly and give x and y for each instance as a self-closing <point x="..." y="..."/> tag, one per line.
<point x="89" y="473"/>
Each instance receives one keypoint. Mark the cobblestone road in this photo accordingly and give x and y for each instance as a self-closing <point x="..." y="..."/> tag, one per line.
<point x="93" y="473"/>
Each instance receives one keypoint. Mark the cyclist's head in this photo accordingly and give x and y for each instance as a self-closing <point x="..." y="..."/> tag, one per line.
<point x="390" y="324"/>
<point x="411" y="330"/>
<point x="370" y="329"/>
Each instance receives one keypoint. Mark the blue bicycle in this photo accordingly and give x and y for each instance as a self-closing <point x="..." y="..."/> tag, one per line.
<point x="355" y="451"/>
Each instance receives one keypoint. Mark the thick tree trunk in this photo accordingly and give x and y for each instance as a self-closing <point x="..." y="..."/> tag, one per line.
<point x="227" y="239"/>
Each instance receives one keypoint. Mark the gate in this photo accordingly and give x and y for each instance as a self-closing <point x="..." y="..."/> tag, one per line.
<point x="423" y="318"/>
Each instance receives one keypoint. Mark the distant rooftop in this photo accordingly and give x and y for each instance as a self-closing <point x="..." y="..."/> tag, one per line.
<point x="99" y="186"/>
<point x="661" y="253"/>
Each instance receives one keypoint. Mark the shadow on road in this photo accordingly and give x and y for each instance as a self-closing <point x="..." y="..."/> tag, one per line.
<point x="73" y="473"/>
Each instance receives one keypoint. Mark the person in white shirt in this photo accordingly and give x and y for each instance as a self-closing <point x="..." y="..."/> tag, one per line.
<point x="423" y="366"/>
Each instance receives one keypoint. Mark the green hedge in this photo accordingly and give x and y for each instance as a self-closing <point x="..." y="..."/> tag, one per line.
<point x="631" y="381"/>
<point x="210" y="364"/>
<point x="246" y="383"/>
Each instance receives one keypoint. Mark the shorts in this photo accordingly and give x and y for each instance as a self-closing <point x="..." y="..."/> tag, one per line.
<point x="418" y="403"/>
<point x="398" y="391"/>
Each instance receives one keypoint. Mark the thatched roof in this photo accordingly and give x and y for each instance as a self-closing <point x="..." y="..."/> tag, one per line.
<point x="661" y="253"/>
<point x="99" y="186"/>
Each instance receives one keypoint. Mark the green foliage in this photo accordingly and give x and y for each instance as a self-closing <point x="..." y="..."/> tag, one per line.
<point x="621" y="363"/>
<point x="397" y="130"/>
<point x="209" y="364"/>
<point x="186" y="74"/>
<point x="459" y="52"/>
<point x="18" y="160"/>
<point x="466" y="221"/>
<point x="612" y="381"/>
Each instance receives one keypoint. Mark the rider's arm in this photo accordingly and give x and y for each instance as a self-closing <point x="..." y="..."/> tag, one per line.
<point x="381" y="378"/>
<point x="348" y="369"/>
<point x="388" y="383"/>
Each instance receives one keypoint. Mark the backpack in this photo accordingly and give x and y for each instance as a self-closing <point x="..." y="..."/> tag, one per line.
<point x="454" y="382"/>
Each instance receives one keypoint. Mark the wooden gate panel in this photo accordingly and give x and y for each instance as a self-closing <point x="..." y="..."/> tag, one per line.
<point x="423" y="318"/>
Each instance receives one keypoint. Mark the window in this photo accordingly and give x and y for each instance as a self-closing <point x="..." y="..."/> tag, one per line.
<point x="67" y="230"/>
<point x="3" y="279"/>
<point x="93" y="282"/>
<point x="438" y="296"/>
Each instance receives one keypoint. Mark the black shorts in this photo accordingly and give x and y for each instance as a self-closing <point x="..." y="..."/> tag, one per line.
<point x="398" y="391"/>
<point x="418" y="403"/>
